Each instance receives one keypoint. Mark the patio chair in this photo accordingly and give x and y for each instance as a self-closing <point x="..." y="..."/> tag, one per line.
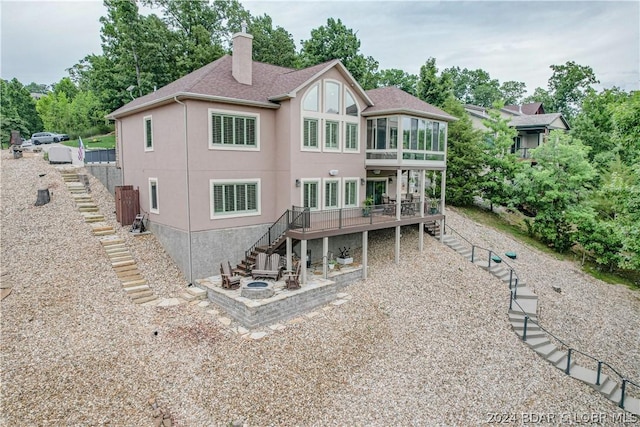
<point x="262" y="268"/>
<point x="389" y="208"/>
<point x="229" y="280"/>
<point x="292" y="278"/>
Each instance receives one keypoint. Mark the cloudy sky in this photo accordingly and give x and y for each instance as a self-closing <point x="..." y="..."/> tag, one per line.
<point x="515" y="40"/>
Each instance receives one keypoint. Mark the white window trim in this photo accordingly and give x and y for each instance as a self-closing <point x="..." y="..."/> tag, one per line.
<point x="144" y="132"/>
<point x="151" y="208"/>
<point x="319" y="195"/>
<point x="231" y="147"/>
<point x="338" y="148"/>
<point x="320" y="139"/>
<point x="345" y="180"/>
<point x="351" y="150"/>
<point x="228" y="215"/>
<point x="338" y="189"/>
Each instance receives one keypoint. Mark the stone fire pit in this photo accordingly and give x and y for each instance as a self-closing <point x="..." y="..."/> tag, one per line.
<point x="257" y="290"/>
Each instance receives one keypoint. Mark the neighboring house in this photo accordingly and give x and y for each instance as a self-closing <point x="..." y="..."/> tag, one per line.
<point x="530" y="120"/>
<point x="238" y="151"/>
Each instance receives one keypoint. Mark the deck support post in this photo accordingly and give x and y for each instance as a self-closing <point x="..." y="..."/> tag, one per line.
<point x="443" y="187"/>
<point x="398" y="244"/>
<point x="398" y="194"/>
<point x="289" y="251"/>
<point x="421" y="225"/>
<point x="365" y="250"/>
<point x="421" y="236"/>
<point x="325" y="257"/>
<point x="303" y="255"/>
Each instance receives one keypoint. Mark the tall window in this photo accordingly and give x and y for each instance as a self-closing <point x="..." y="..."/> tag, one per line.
<point x="350" y="193"/>
<point x="148" y="134"/>
<point x="235" y="198"/>
<point x="154" y="207"/>
<point x="351" y="140"/>
<point x="233" y="131"/>
<point x="332" y="98"/>
<point x="351" y="108"/>
<point x="310" y="138"/>
<point x="331" y="135"/>
<point x="310" y="195"/>
<point x="331" y="194"/>
<point x="311" y="100"/>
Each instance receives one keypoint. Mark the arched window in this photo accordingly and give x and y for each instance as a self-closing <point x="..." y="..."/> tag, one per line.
<point x="310" y="102"/>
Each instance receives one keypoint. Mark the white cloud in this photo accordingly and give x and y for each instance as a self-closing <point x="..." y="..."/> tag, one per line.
<point x="515" y="40"/>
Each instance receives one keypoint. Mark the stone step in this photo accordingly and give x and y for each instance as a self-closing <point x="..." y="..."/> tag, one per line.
<point x="122" y="263"/>
<point x="545" y="350"/>
<point x="116" y="248"/>
<point x="124" y="268"/>
<point x="197" y="292"/>
<point x="92" y="217"/>
<point x="632" y="405"/>
<point x="519" y="326"/>
<point x="119" y="252"/>
<point x="531" y="333"/>
<point x="130" y="276"/>
<point x="524" y="293"/>
<point x="562" y="363"/>
<point x="110" y="242"/>
<point x="145" y="299"/>
<point x="555" y="357"/>
<point x="121" y="258"/>
<point x="535" y="342"/>
<point x="104" y="232"/>
<point x="134" y="289"/>
<point x="141" y="294"/>
<point x="188" y="297"/>
<point x="518" y="316"/>
<point x="134" y="283"/>
<point x="529" y="306"/>
<point x="609" y="387"/>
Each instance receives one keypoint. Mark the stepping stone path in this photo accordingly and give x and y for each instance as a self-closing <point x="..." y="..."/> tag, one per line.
<point x="524" y="315"/>
<point x="133" y="283"/>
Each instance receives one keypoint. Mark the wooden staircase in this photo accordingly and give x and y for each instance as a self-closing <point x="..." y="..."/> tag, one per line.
<point x="432" y="228"/>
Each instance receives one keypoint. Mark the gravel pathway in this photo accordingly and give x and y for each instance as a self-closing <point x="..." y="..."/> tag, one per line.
<point x="426" y="342"/>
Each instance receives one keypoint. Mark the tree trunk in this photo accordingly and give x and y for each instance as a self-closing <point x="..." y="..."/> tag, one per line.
<point x="43" y="197"/>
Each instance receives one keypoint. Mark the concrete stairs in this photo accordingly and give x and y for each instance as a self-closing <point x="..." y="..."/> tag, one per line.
<point x="193" y="293"/>
<point x="133" y="283"/>
<point x="525" y="305"/>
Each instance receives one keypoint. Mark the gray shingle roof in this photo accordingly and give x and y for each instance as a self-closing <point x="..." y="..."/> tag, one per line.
<point x="270" y="84"/>
<point x="536" y="120"/>
<point x="392" y="99"/>
<point x="528" y="109"/>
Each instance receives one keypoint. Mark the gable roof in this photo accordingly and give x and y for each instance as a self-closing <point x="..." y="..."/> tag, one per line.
<point x="391" y="100"/>
<point x="537" y="120"/>
<point x="528" y="109"/>
<point x="214" y="81"/>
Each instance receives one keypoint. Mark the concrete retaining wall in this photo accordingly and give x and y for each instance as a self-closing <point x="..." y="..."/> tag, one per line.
<point x="108" y="174"/>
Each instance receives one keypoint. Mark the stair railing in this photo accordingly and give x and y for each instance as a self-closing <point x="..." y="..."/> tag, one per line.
<point x="513" y="300"/>
<point x="274" y="232"/>
<point x="513" y="276"/>
<point x="625" y="381"/>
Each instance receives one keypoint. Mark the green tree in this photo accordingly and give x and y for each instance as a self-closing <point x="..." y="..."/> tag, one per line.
<point x="272" y="45"/>
<point x="432" y="88"/>
<point x="19" y="98"/>
<point x="512" y="92"/>
<point x="464" y="156"/>
<point x="626" y="128"/>
<point x="336" y="41"/>
<point x="9" y="117"/>
<point x="500" y="164"/>
<point x="473" y="86"/>
<point x="398" y="78"/>
<point x="567" y="87"/>
<point x="594" y="124"/>
<point x="556" y="189"/>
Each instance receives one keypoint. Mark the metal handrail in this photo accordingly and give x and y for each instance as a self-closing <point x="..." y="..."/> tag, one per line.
<point x="274" y="232"/>
<point x="513" y="299"/>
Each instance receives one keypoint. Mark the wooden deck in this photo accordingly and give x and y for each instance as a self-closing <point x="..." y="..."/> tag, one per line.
<point x="319" y="224"/>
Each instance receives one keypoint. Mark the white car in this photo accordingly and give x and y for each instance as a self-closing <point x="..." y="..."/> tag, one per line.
<point x="26" y="143"/>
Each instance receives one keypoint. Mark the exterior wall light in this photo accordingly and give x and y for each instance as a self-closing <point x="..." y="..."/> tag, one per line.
<point x="297" y="183"/>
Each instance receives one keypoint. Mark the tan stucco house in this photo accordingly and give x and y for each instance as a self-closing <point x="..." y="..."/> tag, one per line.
<point x="530" y="120"/>
<point x="239" y="150"/>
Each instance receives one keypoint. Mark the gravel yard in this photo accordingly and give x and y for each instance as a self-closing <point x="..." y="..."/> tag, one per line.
<point x="426" y="342"/>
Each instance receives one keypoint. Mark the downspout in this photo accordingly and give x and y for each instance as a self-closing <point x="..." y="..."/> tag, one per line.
<point x="186" y="149"/>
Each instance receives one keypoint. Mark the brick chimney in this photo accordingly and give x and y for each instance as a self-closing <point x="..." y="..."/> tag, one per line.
<point x="242" y="63"/>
